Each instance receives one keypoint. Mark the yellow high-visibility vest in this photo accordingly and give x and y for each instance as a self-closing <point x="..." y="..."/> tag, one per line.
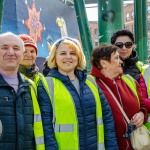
<point x="37" y="125"/>
<point x="65" y="120"/>
<point x="132" y="85"/>
<point x="37" y="78"/>
<point x="146" y="76"/>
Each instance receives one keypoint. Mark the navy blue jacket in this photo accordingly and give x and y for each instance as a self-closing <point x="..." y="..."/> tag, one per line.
<point x="16" y="115"/>
<point x="86" y="113"/>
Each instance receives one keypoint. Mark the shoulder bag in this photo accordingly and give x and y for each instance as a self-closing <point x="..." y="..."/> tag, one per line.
<point x="140" y="139"/>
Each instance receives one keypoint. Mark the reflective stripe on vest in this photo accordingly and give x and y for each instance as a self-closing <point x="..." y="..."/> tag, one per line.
<point x="131" y="84"/>
<point x="66" y="126"/>
<point x="37" y="125"/>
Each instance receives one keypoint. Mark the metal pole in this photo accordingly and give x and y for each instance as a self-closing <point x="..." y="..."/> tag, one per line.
<point x="138" y="27"/>
<point x="110" y="18"/>
<point x="1" y="12"/>
<point x="84" y="30"/>
<point x="145" y="39"/>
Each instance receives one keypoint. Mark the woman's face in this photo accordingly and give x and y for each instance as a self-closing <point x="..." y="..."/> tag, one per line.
<point x="29" y="56"/>
<point x="127" y="44"/>
<point x="113" y="67"/>
<point x="66" y="59"/>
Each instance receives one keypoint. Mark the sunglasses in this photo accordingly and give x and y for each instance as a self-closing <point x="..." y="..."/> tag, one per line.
<point x="126" y="44"/>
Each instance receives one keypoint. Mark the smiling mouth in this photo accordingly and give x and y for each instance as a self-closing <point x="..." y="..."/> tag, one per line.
<point x="10" y="58"/>
<point x="67" y="62"/>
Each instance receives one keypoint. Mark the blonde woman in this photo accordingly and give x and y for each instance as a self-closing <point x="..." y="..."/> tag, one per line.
<point x="75" y="113"/>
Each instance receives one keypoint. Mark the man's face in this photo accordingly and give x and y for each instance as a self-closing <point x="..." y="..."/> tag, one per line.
<point x="11" y="53"/>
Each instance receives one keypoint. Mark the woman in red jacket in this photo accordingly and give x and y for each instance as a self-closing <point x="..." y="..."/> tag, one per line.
<point x="106" y="67"/>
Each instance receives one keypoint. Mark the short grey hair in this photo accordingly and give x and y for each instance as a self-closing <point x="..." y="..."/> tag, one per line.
<point x="12" y="34"/>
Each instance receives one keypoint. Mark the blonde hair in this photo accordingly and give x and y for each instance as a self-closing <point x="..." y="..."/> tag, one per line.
<point x="74" y="44"/>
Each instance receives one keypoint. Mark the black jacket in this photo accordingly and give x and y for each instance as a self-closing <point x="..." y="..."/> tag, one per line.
<point x="130" y="67"/>
<point x="16" y="115"/>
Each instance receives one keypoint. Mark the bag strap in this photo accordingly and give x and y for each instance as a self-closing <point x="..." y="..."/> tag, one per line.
<point x="121" y="109"/>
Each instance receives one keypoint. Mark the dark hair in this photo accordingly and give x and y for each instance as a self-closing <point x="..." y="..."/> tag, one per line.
<point x="123" y="32"/>
<point x="102" y="52"/>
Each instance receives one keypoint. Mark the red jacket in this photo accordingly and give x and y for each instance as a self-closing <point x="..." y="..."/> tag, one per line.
<point x="128" y="101"/>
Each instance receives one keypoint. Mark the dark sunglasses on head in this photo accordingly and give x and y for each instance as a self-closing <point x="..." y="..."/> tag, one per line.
<point x="127" y="44"/>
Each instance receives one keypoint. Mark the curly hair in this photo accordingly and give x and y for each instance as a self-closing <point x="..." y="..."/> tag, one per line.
<point x="122" y="32"/>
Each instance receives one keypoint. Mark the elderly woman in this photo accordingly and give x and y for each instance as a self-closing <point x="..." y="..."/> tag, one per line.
<point x="28" y="66"/>
<point x="107" y="70"/>
<point x="72" y="105"/>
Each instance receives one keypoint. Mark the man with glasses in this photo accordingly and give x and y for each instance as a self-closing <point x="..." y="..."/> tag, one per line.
<point x="124" y="40"/>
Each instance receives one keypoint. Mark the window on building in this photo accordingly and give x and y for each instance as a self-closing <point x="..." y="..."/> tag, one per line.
<point x="96" y="42"/>
<point x="148" y="44"/>
<point x="127" y="27"/>
<point x="96" y="31"/>
<point x="132" y="28"/>
<point x="148" y="26"/>
<point x="148" y="9"/>
<point x="132" y="14"/>
<point x="127" y="16"/>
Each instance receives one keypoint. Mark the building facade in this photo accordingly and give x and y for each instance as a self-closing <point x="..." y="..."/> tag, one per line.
<point x="128" y="22"/>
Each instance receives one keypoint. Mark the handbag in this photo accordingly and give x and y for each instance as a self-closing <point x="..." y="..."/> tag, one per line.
<point x="140" y="139"/>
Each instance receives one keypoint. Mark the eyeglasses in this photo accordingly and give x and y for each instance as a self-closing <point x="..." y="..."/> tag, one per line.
<point x="127" y="44"/>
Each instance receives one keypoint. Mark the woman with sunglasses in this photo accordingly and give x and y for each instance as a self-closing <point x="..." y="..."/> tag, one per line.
<point x="124" y="40"/>
<point x="71" y="103"/>
<point x="106" y="67"/>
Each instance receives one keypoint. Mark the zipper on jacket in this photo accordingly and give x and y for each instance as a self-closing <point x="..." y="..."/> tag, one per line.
<point x="76" y="111"/>
<point x="14" y="96"/>
<point x="82" y="106"/>
<point x="83" y="115"/>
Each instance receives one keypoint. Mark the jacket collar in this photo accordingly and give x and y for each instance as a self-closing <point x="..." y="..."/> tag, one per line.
<point x="29" y="72"/>
<point x="22" y="80"/>
<point x="81" y="75"/>
<point x="97" y="73"/>
<point x="132" y="60"/>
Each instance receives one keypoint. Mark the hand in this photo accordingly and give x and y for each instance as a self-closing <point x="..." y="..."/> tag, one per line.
<point x="138" y="119"/>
